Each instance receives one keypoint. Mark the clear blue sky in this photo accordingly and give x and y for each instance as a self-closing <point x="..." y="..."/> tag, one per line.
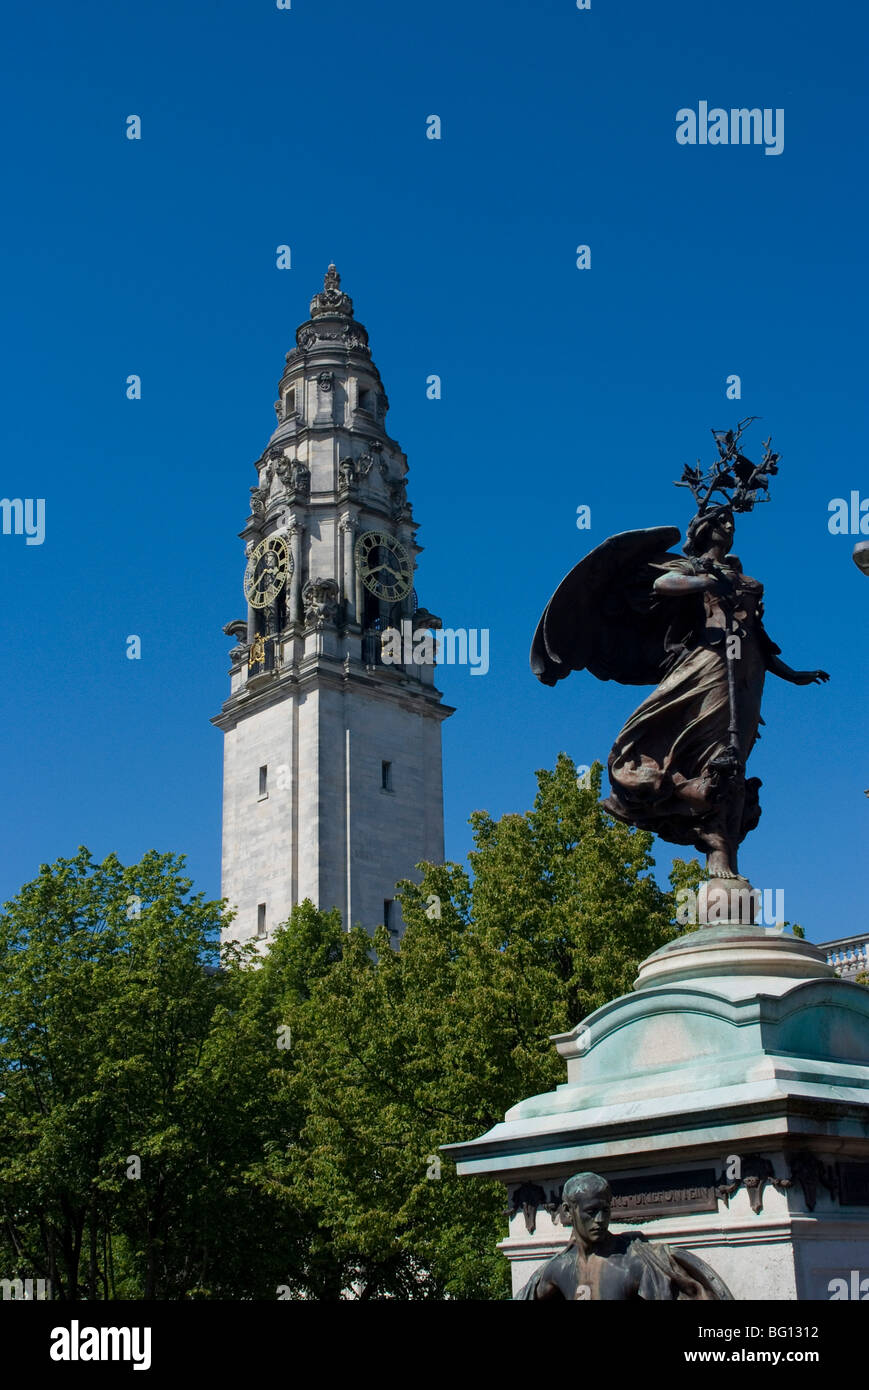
<point x="560" y="386"/>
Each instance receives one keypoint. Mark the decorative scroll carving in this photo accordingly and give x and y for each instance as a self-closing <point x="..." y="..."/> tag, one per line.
<point x="756" y="1172"/>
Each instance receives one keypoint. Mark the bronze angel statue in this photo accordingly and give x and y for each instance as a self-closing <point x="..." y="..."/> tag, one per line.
<point x="692" y="626"/>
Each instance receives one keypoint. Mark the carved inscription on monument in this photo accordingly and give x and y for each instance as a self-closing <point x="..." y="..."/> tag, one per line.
<point x="664" y="1194"/>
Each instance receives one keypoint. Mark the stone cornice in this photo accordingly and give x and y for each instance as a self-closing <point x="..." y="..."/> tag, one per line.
<point x="331" y="673"/>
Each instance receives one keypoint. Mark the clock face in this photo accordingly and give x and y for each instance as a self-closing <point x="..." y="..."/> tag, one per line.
<point x="384" y="565"/>
<point x="268" y="568"/>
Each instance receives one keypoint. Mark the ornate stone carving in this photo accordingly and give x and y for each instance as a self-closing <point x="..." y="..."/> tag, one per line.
<point x="332" y="302"/>
<point x="296" y="478"/>
<point x="756" y="1172"/>
<point x="258" y="498"/>
<point x="324" y="381"/>
<point x="320" y="599"/>
<point x="353" y="337"/>
<point x="400" y="507"/>
<point x="356" y="339"/>
<point x="237" y="629"/>
<point x="810" y="1172"/>
<point x="331" y="299"/>
<point x="528" y="1197"/>
<point x="370" y="459"/>
<point x="301" y="479"/>
<point x="346" y="475"/>
<point x="423" y="619"/>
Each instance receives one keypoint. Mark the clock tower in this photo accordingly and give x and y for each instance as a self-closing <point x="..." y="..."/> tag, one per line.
<point x="332" y="782"/>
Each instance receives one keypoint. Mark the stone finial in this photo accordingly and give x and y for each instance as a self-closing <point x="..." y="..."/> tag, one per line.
<point x="331" y="299"/>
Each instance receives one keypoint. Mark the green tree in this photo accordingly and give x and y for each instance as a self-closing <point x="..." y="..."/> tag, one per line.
<point x="136" y="1087"/>
<point x="397" y="1053"/>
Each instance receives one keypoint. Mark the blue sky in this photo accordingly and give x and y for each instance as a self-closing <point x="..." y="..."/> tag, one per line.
<point x="560" y="386"/>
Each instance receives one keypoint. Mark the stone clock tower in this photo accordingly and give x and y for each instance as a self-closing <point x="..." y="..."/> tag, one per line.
<point x="332" y="784"/>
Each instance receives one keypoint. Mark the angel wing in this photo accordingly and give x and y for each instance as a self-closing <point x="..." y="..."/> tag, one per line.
<point x="603" y="616"/>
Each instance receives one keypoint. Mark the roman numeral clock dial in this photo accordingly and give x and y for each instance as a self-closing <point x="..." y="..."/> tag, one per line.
<point x="269" y="567"/>
<point x="384" y="565"/>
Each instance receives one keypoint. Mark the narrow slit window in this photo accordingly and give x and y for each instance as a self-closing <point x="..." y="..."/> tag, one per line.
<point x="289" y="403"/>
<point x="387" y="913"/>
<point x="261" y="920"/>
<point x="264" y="780"/>
<point x="386" y="776"/>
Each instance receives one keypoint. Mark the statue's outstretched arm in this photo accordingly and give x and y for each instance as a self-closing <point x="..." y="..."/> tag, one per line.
<point x="777" y="667"/>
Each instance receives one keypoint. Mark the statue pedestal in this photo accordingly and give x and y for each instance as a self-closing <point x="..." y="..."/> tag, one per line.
<point x="727" y="1103"/>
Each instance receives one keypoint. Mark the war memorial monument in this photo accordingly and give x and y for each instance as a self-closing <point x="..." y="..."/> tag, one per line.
<point x="719" y="1114"/>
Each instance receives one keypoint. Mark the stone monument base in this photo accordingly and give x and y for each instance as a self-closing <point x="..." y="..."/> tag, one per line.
<point x="727" y="1103"/>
